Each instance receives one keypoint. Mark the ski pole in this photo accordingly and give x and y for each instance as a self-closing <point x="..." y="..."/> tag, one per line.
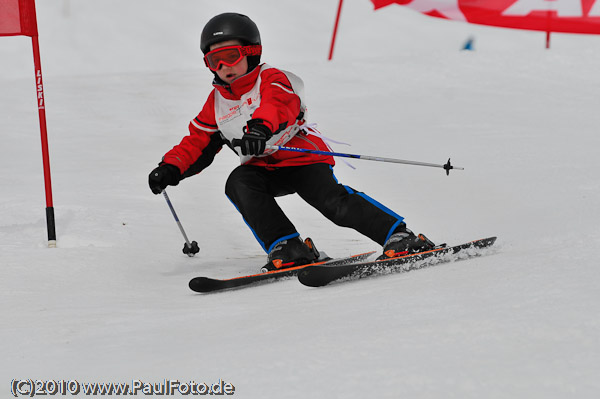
<point x="447" y="166"/>
<point x="190" y="249"/>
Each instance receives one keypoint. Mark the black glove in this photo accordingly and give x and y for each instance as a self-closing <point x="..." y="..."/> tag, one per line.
<point x="163" y="176"/>
<point x="254" y="141"/>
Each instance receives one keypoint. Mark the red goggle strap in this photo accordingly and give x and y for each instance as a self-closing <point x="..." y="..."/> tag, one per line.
<point x="255" y="49"/>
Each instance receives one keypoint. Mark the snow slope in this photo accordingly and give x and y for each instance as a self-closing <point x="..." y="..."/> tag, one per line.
<point x="111" y="303"/>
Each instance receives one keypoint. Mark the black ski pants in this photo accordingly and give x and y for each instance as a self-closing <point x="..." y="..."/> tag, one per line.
<point x="253" y="189"/>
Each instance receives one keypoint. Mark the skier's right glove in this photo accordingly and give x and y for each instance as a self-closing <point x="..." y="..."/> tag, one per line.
<point x="254" y="141"/>
<point x="163" y="176"/>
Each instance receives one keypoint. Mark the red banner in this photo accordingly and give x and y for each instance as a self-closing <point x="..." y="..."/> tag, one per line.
<point x="569" y="16"/>
<point x="17" y="17"/>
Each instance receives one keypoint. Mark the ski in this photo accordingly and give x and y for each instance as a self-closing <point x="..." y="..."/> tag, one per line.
<point x="320" y="275"/>
<point x="206" y="284"/>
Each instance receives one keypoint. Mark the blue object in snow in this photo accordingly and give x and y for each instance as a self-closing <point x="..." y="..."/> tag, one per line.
<point x="469" y="44"/>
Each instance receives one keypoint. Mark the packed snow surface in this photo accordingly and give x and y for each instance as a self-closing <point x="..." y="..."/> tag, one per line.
<point x="111" y="302"/>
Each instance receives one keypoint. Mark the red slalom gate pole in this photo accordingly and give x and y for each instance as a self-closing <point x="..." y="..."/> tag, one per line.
<point x="335" y="28"/>
<point x="44" y="137"/>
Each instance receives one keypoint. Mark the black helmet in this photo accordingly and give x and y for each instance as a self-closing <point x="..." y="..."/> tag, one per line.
<point x="229" y="26"/>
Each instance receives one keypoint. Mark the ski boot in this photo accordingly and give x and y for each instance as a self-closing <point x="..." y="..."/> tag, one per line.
<point x="405" y="242"/>
<point x="290" y="253"/>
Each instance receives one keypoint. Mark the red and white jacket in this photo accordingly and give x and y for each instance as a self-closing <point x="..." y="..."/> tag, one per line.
<point x="265" y="93"/>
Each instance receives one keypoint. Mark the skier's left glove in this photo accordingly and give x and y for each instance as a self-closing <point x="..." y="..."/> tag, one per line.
<point x="163" y="176"/>
<point x="254" y="140"/>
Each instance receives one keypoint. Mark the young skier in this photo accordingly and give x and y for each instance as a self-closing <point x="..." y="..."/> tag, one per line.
<point x="254" y="105"/>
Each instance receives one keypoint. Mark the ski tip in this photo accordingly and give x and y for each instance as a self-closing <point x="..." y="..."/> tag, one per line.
<point x="485" y="242"/>
<point x="310" y="277"/>
<point x="201" y="284"/>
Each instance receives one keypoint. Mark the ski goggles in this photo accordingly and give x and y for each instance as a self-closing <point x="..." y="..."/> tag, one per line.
<point x="229" y="55"/>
